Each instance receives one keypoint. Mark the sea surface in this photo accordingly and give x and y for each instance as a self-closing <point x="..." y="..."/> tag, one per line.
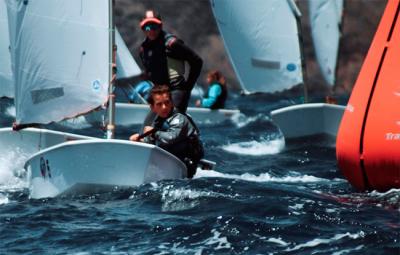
<point x="267" y="195"/>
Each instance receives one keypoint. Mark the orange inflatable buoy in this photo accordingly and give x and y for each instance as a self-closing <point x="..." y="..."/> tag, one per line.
<point x="368" y="140"/>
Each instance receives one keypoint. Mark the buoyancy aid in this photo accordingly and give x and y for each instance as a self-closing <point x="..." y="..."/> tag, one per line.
<point x="179" y="135"/>
<point x="220" y="102"/>
<point x="162" y="63"/>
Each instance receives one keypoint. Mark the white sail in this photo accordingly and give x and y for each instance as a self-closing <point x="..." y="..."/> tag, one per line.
<point x="6" y="86"/>
<point x="325" y="21"/>
<point x="59" y="56"/>
<point x="262" y="41"/>
<point x="127" y="66"/>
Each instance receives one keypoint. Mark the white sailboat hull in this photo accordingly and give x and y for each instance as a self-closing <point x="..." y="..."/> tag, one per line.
<point x="66" y="166"/>
<point x="134" y="114"/>
<point x="308" y="119"/>
<point x="31" y="140"/>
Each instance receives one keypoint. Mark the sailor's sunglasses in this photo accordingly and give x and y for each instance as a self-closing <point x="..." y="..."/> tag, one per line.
<point x="150" y="26"/>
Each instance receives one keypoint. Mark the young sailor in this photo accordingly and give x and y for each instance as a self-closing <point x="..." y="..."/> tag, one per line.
<point x="164" y="55"/>
<point x="171" y="130"/>
<point x="217" y="92"/>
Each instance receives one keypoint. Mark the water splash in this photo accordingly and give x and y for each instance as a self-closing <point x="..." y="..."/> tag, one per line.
<point x="12" y="174"/>
<point x="241" y="120"/>
<point x="264" y="177"/>
<point x="11" y="170"/>
<point x="257" y="148"/>
<point x="178" y="199"/>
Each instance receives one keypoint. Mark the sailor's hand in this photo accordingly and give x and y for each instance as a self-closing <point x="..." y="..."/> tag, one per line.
<point x="147" y="129"/>
<point x="134" y="138"/>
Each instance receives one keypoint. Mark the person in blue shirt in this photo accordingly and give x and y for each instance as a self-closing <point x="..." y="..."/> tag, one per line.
<point x="217" y="92"/>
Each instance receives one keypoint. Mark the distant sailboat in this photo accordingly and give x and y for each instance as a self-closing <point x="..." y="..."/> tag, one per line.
<point x="263" y="42"/>
<point x="62" y="58"/>
<point x="326" y="21"/>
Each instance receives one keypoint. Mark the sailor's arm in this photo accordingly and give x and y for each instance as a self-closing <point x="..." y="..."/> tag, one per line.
<point x="176" y="132"/>
<point x="181" y="51"/>
<point x="214" y="93"/>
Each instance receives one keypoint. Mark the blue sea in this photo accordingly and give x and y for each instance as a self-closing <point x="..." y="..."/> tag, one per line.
<point x="267" y="195"/>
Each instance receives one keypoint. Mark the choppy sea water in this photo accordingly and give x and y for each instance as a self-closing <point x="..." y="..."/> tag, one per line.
<point x="266" y="196"/>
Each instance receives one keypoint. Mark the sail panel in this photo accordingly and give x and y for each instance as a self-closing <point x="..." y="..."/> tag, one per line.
<point x="262" y="41"/>
<point x="325" y="21"/>
<point x="127" y="66"/>
<point x="6" y="85"/>
<point x="60" y="57"/>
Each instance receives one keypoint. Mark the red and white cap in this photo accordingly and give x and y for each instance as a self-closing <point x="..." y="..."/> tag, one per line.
<point x="150" y="17"/>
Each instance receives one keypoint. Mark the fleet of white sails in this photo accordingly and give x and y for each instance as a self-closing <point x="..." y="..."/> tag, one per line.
<point x="263" y="40"/>
<point x="57" y="61"/>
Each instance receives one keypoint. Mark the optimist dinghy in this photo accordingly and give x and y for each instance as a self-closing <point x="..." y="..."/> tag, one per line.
<point x="272" y="60"/>
<point x="135" y="114"/>
<point x="62" y="68"/>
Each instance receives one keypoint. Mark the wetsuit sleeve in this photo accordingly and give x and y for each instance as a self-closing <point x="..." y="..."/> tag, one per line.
<point x="213" y="94"/>
<point x="177" y="131"/>
<point x="180" y="51"/>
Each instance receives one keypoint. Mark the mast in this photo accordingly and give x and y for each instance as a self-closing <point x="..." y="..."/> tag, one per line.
<point x="112" y="61"/>
<point x="297" y="15"/>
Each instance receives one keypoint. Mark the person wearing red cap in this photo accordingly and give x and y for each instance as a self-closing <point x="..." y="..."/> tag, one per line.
<point x="163" y="56"/>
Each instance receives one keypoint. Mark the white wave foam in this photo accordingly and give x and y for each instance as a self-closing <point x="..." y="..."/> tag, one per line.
<point x="278" y="241"/>
<point x="240" y="120"/>
<point x="3" y="199"/>
<point x="264" y="177"/>
<point x="395" y="192"/>
<point x="183" y="199"/>
<point x="348" y="251"/>
<point x="11" y="170"/>
<point x="41" y="188"/>
<point x="255" y="148"/>
<point x="221" y="241"/>
<point x="318" y="241"/>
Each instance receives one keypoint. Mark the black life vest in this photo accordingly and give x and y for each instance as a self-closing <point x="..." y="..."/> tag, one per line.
<point x="220" y="102"/>
<point x="155" y="56"/>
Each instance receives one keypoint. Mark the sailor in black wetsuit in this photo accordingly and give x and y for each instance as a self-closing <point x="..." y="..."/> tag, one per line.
<point x="163" y="56"/>
<point x="173" y="131"/>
